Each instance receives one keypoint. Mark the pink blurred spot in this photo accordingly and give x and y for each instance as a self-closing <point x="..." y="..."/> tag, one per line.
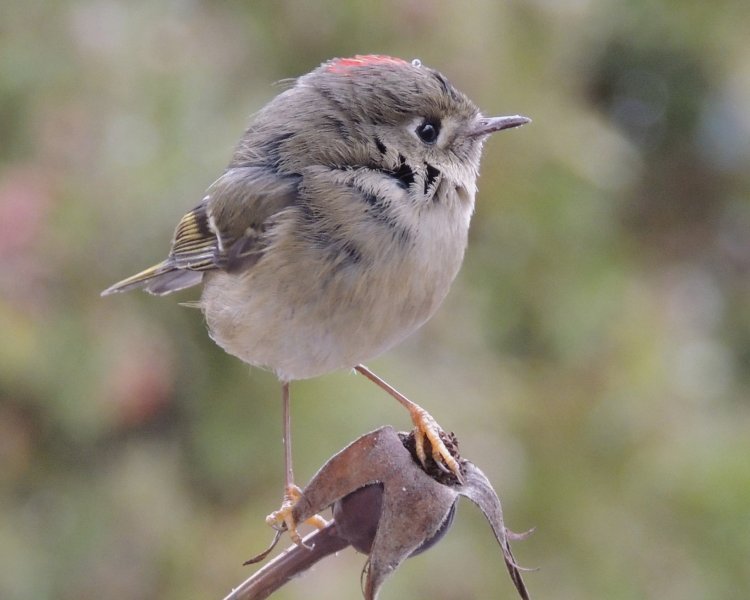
<point x="141" y="383"/>
<point x="24" y="203"/>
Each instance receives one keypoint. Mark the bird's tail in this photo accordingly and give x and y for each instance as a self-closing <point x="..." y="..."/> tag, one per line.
<point x="160" y="279"/>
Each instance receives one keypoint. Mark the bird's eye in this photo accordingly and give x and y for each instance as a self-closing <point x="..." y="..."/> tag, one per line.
<point x="428" y="131"/>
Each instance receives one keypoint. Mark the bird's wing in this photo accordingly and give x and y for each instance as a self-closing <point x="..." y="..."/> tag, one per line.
<point x="224" y="231"/>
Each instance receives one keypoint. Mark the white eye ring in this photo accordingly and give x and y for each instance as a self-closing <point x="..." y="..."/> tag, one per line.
<point x="416" y="63"/>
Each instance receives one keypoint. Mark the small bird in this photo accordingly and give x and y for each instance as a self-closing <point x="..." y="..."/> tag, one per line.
<point x="337" y="228"/>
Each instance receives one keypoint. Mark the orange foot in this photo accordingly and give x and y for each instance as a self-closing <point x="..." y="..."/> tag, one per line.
<point x="283" y="519"/>
<point x="427" y="428"/>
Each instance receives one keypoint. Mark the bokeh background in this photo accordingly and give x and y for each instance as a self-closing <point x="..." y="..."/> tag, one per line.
<point x="593" y="356"/>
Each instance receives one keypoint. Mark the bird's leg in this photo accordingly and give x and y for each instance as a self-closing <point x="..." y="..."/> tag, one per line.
<point x="425" y="427"/>
<point x="283" y="518"/>
<point x="286" y="416"/>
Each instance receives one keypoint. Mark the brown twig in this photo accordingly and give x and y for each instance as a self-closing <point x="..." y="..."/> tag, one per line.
<point x="289" y="563"/>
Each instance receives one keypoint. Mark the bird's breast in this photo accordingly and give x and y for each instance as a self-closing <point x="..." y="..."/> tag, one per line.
<point x="313" y="305"/>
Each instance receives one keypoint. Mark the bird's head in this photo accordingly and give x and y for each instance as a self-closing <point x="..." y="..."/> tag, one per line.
<point x="380" y="112"/>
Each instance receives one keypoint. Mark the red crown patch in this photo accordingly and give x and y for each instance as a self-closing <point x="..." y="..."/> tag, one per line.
<point x="341" y="65"/>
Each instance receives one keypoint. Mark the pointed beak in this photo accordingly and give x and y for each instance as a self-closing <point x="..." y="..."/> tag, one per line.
<point x="487" y="125"/>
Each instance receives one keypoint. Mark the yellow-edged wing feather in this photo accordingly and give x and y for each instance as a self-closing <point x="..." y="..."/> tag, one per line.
<point x="224" y="231"/>
<point x="195" y="248"/>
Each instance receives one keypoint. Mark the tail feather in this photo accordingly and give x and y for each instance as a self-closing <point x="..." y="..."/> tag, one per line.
<point x="160" y="279"/>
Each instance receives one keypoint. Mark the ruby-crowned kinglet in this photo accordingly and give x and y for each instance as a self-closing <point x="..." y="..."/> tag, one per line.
<point x="337" y="228"/>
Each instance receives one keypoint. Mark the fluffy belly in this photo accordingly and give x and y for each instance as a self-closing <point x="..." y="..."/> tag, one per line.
<point x="302" y="323"/>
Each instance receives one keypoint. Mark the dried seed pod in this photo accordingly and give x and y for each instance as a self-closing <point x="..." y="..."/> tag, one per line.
<point x="385" y="505"/>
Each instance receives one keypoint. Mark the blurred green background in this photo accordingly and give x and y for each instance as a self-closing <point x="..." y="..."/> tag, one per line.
<point x="593" y="356"/>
